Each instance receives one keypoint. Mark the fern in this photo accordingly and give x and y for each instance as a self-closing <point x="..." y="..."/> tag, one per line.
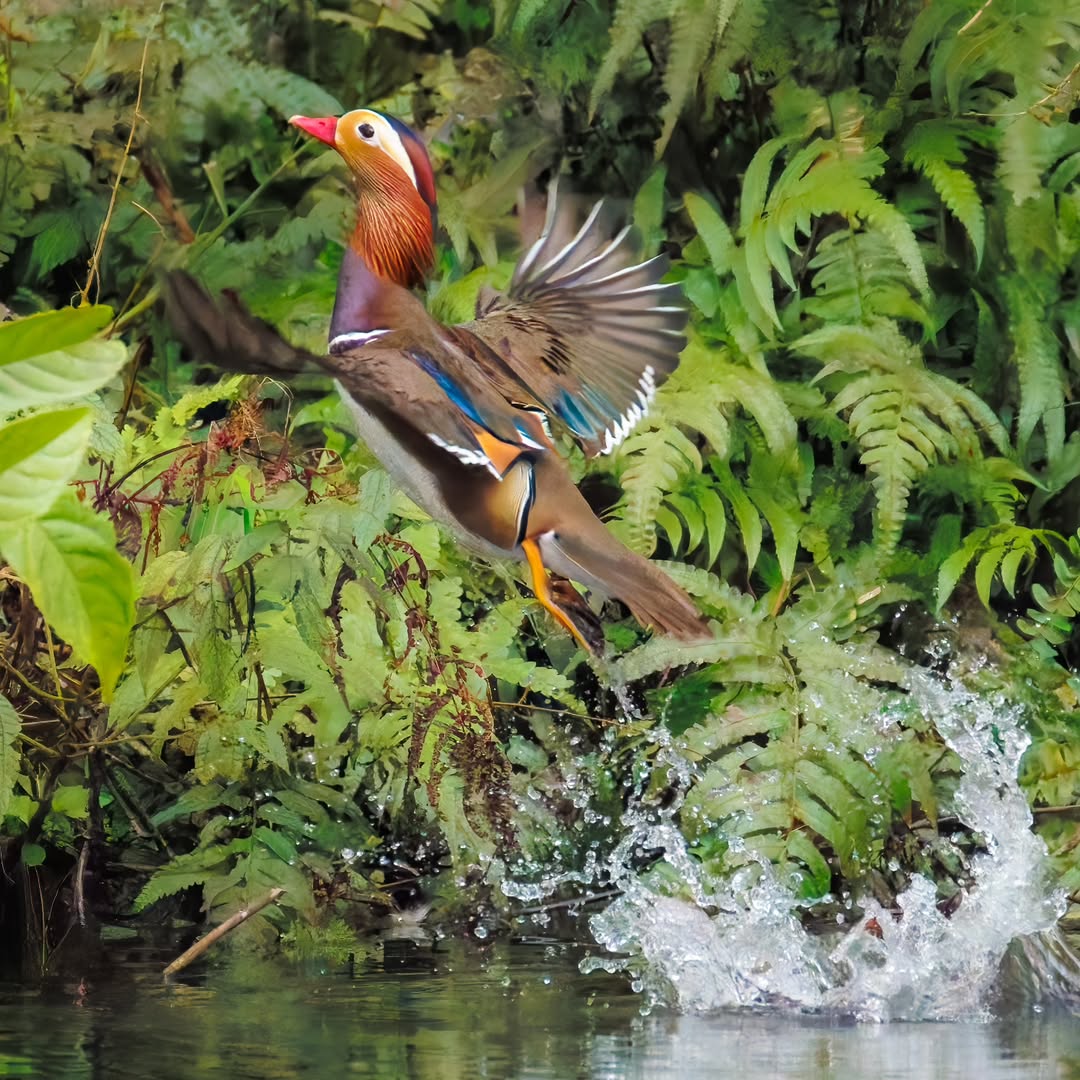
<point x="999" y="552"/>
<point x="410" y="17"/>
<point x="987" y="485"/>
<point x="697" y="30"/>
<point x="1053" y="621"/>
<point x="936" y="148"/>
<point x="653" y="462"/>
<point x="781" y="765"/>
<point x="1037" y="357"/>
<point x="659" y="461"/>
<point x="858" y="277"/>
<point x="825" y="176"/>
<point x="904" y="417"/>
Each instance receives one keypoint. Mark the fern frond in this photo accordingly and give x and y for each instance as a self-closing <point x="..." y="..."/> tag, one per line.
<point x="825" y="176"/>
<point x="694" y="29"/>
<point x="653" y="462"/>
<point x="1037" y="357"/>
<point x="999" y="552"/>
<point x="632" y="19"/>
<point x="937" y="149"/>
<point x="697" y="30"/>
<point x="988" y="485"/>
<point x="904" y="417"/>
<point x="712" y="229"/>
<point x="1053" y="620"/>
<point x="859" y="277"/>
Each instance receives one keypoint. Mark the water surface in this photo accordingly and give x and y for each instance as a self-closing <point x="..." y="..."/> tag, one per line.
<point x="502" y="1011"/>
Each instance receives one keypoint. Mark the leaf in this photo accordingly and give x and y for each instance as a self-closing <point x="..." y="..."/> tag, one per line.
<point x="184" y="871"/>
<point x="654" y="464"/>
<point x="38" y="457"/>
<point x="32" y="855"/>
<point x="649" y="210"/>
<point x="10" y="727"/>
<point x="71" y="800"/>
<point x="78" y="579"/>
<point x="58" y="241"/>
<point x="713" y="230"/>
<point x="277" y="842"/>
<point x="632" y="19"/>
<point x="50" y="331"/>
<point x="60" y="375"/>
<point x="936" y="148"/>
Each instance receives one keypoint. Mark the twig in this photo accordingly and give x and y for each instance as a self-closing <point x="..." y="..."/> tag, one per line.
<point x="80" y="876"/>
<point x="51" y="650"/>
<point x="99" y="246"/>
<point x="203" y="243"/>
<point x="974" y="19"/>
<point x="29" y="686"/>
<point x="219" y="932"/>
<point x="576" y="901"/>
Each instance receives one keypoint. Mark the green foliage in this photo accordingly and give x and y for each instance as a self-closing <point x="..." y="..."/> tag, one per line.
<point x="61" y="550"/>
<point x="873" y="213"/>
<point x="9" y="754"/>
<point x="1052" y="620"/>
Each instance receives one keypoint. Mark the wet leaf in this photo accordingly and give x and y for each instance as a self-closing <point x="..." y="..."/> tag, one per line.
<point x="84" y="588"/>
<point x="38" y="457"/>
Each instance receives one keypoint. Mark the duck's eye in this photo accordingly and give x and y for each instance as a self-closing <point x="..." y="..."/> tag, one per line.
<point x="366" y="131"/>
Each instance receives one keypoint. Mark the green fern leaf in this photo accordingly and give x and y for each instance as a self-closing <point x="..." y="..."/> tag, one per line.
<point x="653" y="463"/>
<point x="632" y="19"/>
<point x="858" y="277"/>
<point x="936" y="149"/>
<point x="712" y="229"/>
<point x="1038" y="363"/>
<point x="904" y="417"/>
<point x="746" y="514"/>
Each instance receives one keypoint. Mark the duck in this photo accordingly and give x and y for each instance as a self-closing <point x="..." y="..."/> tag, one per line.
<point x="463" y="417"/>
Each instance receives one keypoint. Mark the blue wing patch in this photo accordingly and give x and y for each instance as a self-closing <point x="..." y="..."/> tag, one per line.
<point x="447" y="386"/>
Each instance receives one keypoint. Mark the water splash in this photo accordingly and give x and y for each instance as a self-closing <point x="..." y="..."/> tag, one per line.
<point x="740" y="941"/>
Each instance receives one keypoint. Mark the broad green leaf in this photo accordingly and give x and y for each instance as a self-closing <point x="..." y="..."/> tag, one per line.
<point x="60" y="375"/>
<point x="255" y="543"/>
<point x="71" y="800"/>
<point x="10" y="726"/>
<point x="277" y="842"/>
<point x="38" y="457"/>
<point x="50" y="331"/>
<point x="32" y="855"/>
<point x="81" y="583"/>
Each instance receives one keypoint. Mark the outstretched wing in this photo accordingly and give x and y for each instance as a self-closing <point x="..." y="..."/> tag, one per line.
<point x="398" y="376"/>
<point x="587" y="330"/>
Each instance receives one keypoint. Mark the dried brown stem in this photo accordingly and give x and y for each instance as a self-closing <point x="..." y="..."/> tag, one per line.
<point x="219" y="932"/>
<point x="103" y="232"/>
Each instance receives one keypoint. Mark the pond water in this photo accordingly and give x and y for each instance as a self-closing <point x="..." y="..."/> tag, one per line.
<point x="501" y="1011"/>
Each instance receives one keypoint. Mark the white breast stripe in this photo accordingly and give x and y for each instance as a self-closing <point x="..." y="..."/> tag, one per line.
<point x="466" y="456"/>
<point x="343" y="342"/>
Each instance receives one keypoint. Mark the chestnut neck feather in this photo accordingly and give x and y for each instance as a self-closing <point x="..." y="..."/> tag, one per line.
<point x="394" y="233"/>
<point x="391" y="248"/>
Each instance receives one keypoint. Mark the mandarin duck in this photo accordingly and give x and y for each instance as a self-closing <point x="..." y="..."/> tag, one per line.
<point x="460" y="415"/>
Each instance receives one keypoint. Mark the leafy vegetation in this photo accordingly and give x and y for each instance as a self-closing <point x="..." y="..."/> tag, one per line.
<point x="234" y="658"/>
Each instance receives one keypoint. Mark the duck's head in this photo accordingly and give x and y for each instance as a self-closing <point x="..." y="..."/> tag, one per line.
<point x="395" y="190"/>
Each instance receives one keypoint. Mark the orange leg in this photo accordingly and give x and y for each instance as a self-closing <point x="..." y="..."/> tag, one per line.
<point x="543" y="592"/>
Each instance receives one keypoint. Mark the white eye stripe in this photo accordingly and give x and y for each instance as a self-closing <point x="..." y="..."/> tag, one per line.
<point x="388" y="140"/>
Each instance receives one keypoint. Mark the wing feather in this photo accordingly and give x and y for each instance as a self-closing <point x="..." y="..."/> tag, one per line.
<point x="581" y="325"/>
